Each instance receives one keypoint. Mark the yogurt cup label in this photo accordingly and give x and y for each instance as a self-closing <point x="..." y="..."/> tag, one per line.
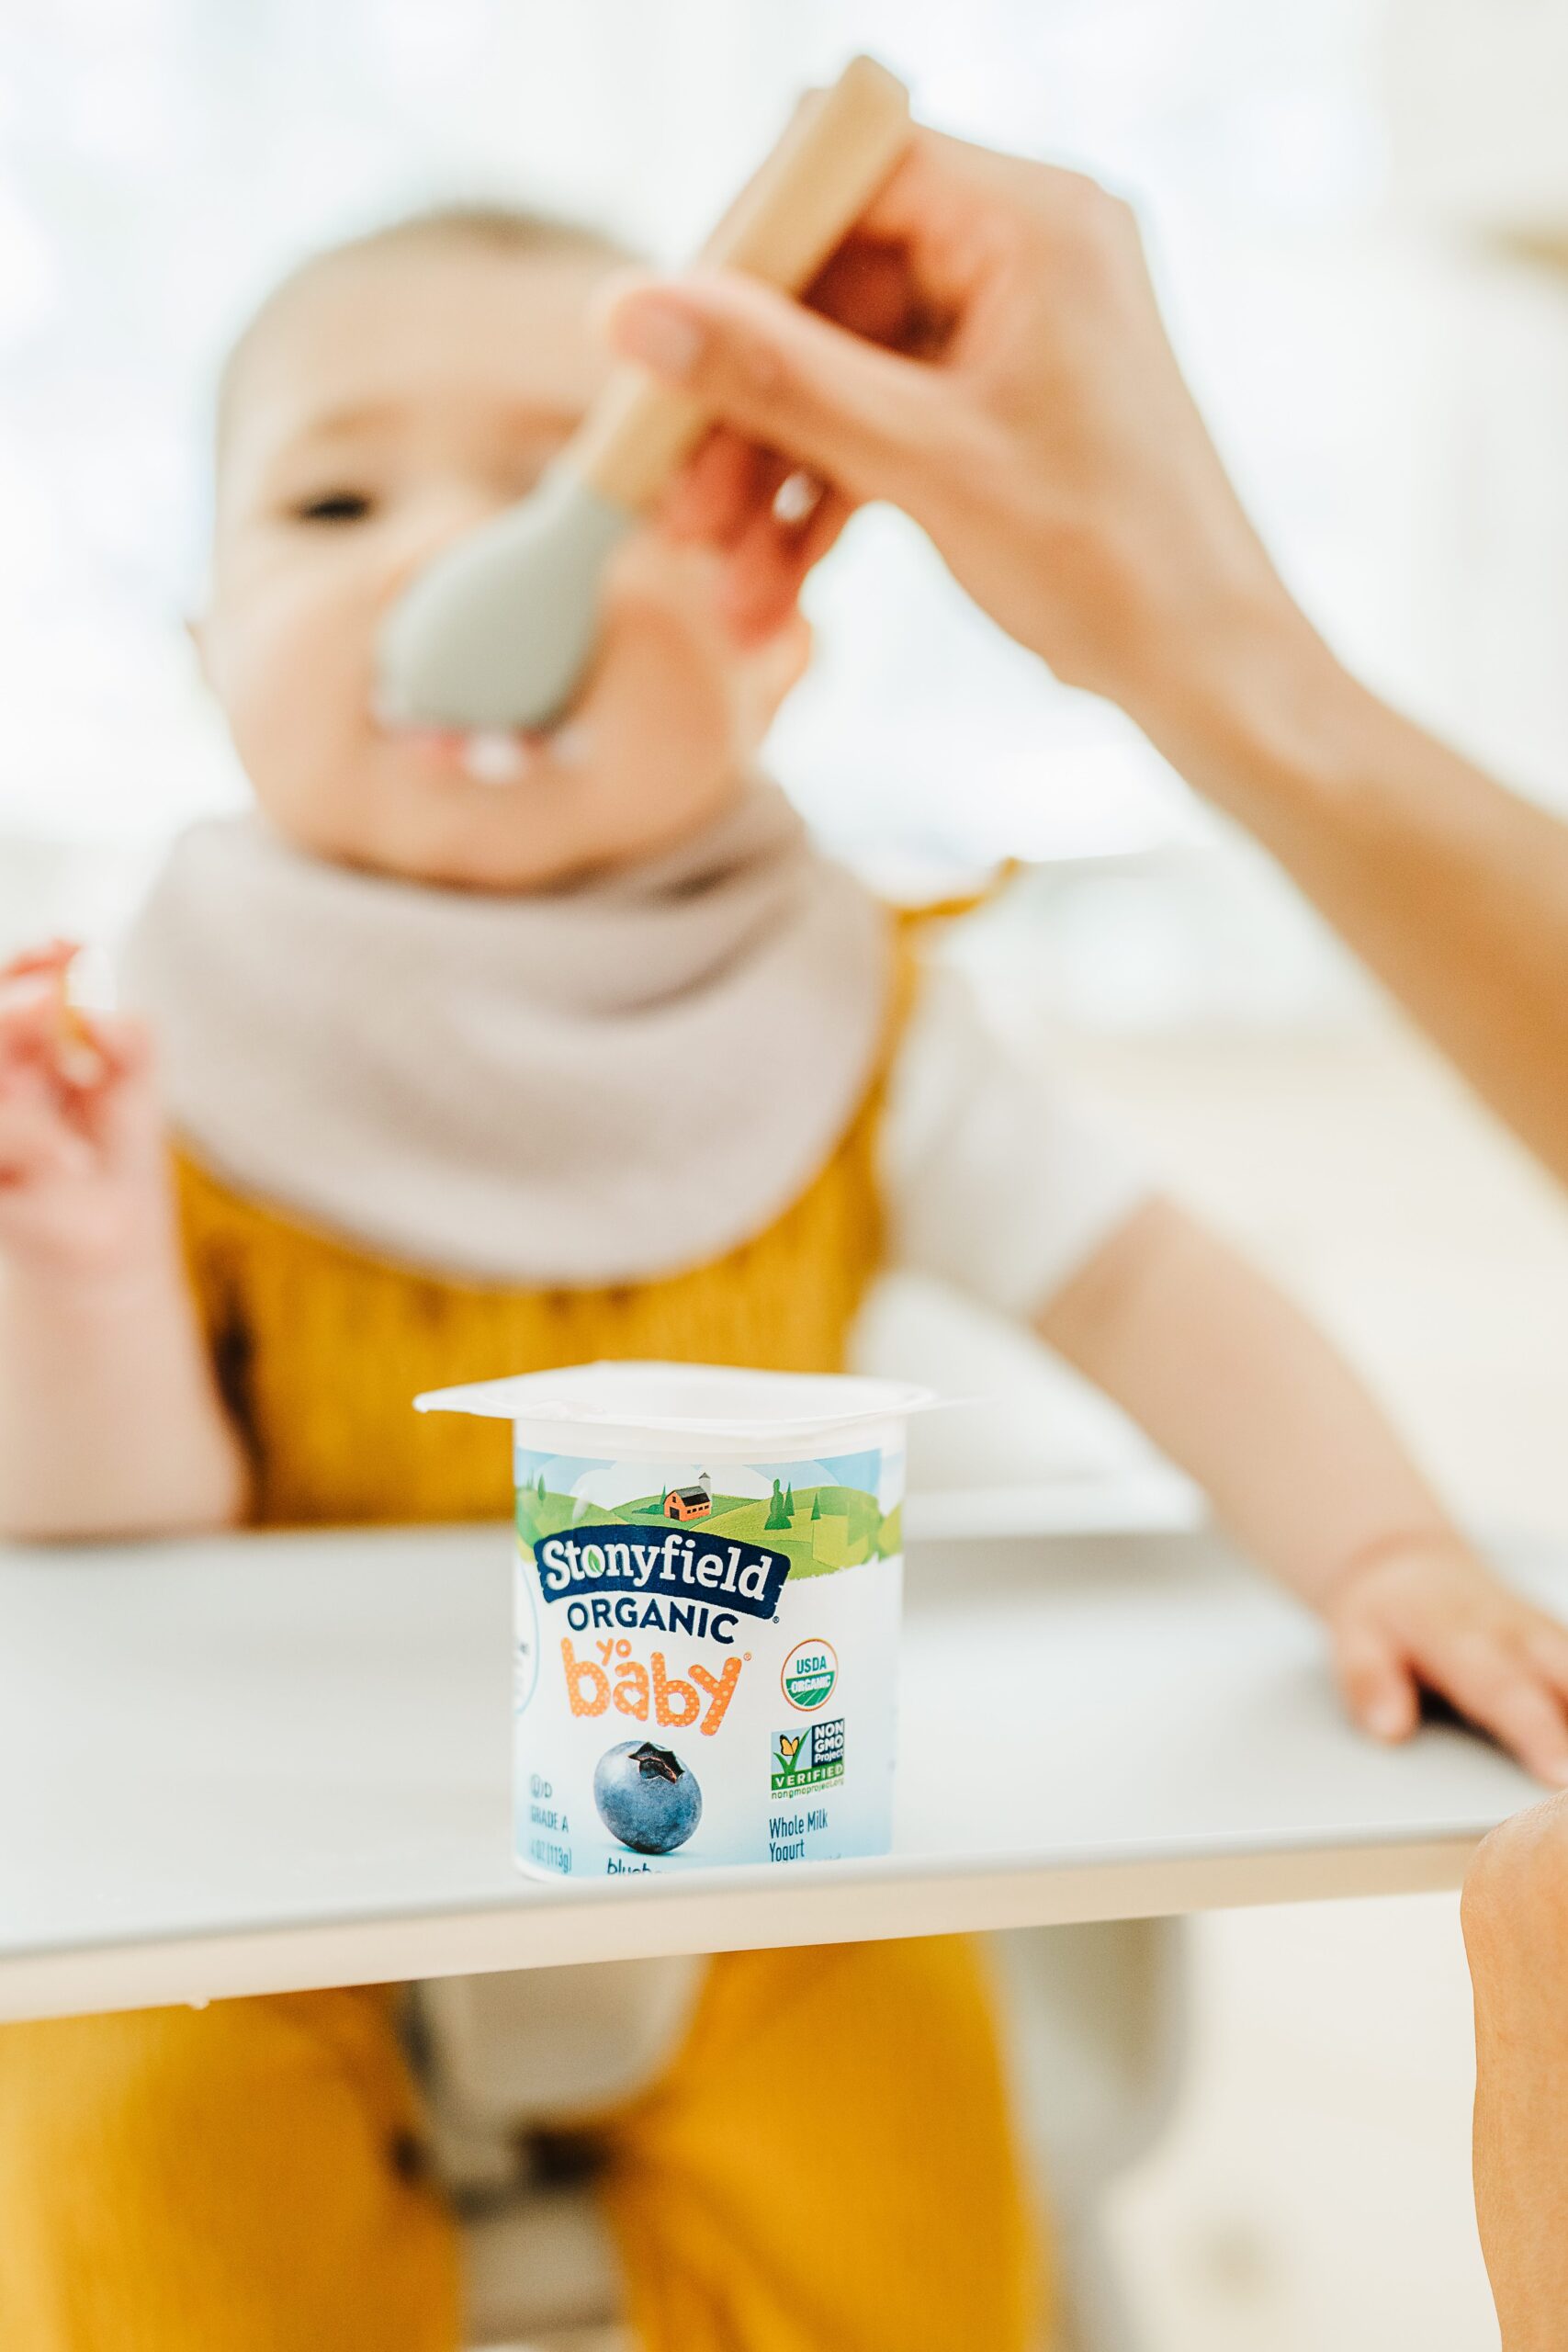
<point x="708" y="1586"/>
<point x="707" y="1661"/>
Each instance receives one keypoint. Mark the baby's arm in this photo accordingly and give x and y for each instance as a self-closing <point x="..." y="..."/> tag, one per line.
<point x="110" y="1420"/>
<point x="1239" y="1387"/>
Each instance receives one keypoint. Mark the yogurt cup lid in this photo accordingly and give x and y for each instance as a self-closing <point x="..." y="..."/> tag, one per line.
<point x="663" y="1400"/>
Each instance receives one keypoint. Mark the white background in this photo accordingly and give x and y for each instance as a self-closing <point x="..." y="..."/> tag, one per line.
<point x="1357" y="213"/>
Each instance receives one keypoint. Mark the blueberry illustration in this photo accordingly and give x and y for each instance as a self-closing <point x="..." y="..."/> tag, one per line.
<point x="646" y="1797"/>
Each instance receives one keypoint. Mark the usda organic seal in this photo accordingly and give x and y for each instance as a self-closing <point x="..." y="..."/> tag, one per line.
<point x="809" y="1673"/>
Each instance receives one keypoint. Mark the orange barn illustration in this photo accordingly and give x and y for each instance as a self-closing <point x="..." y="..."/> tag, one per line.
<point x="690" y="1502"/>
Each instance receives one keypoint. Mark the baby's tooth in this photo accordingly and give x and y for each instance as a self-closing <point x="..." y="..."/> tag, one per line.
<point x="491" y="756"/>
<point x="797" y="497"/>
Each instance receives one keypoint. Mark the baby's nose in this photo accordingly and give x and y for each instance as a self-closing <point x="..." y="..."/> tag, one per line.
<point x="430" y="527"/>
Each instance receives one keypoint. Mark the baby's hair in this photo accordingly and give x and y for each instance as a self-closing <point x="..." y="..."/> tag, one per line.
<point x="515" y="228"/>
<point x="505" y="228"/>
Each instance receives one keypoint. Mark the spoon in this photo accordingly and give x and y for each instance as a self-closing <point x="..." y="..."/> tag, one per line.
<point x="496" y="633"/>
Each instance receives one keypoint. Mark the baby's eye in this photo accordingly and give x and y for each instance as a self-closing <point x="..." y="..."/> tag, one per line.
<point x="334" y="507"/>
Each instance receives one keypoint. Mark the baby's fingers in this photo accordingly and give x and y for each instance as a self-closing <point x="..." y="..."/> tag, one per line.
<point x="1548" y="1647"/>
<point x="50" y="961"/>
<point x="36" y="1144"/>
<point x="120" y="1113"/>
<point x="1377" y="1682"/>
<point x="718" y="493"/>
<point x="41" y="1034"/>
<point x="1498" y="1688"/>
<point x="30" y="1025"/>
<point x="124" y="1043"/>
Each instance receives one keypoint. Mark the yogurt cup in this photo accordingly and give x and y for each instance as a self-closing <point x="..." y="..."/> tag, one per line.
<point x="708" y="1589"/>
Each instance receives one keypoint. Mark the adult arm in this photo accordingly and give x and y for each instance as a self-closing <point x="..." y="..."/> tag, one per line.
<point x="1516" y="1932"/>
<point x="986" y="352"/>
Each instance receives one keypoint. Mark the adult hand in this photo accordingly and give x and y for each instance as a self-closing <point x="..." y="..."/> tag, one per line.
<point x="1007" y="382"/>
<point x="985" y="352"/>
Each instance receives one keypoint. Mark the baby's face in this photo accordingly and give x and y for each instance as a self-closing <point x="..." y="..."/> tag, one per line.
<point x="394" y="399"/>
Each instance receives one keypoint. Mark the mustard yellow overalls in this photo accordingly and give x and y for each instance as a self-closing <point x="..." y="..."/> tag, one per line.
<point x="238" y="2178"/>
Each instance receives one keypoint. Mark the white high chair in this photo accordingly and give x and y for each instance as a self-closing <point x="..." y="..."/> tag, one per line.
<point x="1094" y="2024"/>
<point x="1094" y="2013"/>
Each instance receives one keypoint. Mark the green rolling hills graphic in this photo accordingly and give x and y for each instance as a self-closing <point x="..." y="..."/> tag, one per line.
<point x="830" y="1527"/>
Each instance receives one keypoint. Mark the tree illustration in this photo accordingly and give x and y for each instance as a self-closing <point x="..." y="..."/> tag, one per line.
<point x="778" y="1515"/>
<point x="816" y="1504"/>
<point x="789" y="1504"/>
<point x="541" y="1485"/>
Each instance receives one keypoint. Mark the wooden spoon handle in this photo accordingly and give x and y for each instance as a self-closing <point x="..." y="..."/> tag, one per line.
<point x="839" y="147"/>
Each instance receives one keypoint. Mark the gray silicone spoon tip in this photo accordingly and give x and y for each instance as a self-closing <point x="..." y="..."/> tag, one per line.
<point x="499" y="630"/>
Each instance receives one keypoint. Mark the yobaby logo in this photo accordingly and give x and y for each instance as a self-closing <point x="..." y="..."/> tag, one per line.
<point x="677" y="1704"/>
<point x="612" y="1556"/>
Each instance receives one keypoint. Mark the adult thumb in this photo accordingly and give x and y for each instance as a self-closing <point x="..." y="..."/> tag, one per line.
<point x="861" y="416"/>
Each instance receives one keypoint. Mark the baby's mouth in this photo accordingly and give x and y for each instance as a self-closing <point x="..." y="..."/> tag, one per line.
<point x="490" y="756"/>
<point x="493" y="756"/>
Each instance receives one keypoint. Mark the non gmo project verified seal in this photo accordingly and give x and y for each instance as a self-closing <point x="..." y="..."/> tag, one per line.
<point x="807" y="1759"/>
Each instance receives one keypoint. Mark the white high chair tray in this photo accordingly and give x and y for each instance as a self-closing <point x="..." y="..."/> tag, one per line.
<point x="265" y="1762"/>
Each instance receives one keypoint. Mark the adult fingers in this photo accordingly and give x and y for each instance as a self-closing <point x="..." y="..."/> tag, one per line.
<point x="873" y="288"/>
<point x="948" y="200"/>
<point x="1379" y="1685"/>
<point x="867" y="288"/>
<point x="769" y="520"/>
<point x="715" y="498"/>
<point x="766" y="569"/>
<point x="783" y="376"/>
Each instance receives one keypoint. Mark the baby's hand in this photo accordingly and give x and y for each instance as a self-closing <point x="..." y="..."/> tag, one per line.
<point x="83" y="1183"/>
<point x="1428" y="1614"/>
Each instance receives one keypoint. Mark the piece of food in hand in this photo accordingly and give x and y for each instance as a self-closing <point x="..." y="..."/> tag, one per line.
<point x="78" y="1062"/>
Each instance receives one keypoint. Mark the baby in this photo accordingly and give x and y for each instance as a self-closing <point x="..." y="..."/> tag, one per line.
<point x="473" y="1063"/>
